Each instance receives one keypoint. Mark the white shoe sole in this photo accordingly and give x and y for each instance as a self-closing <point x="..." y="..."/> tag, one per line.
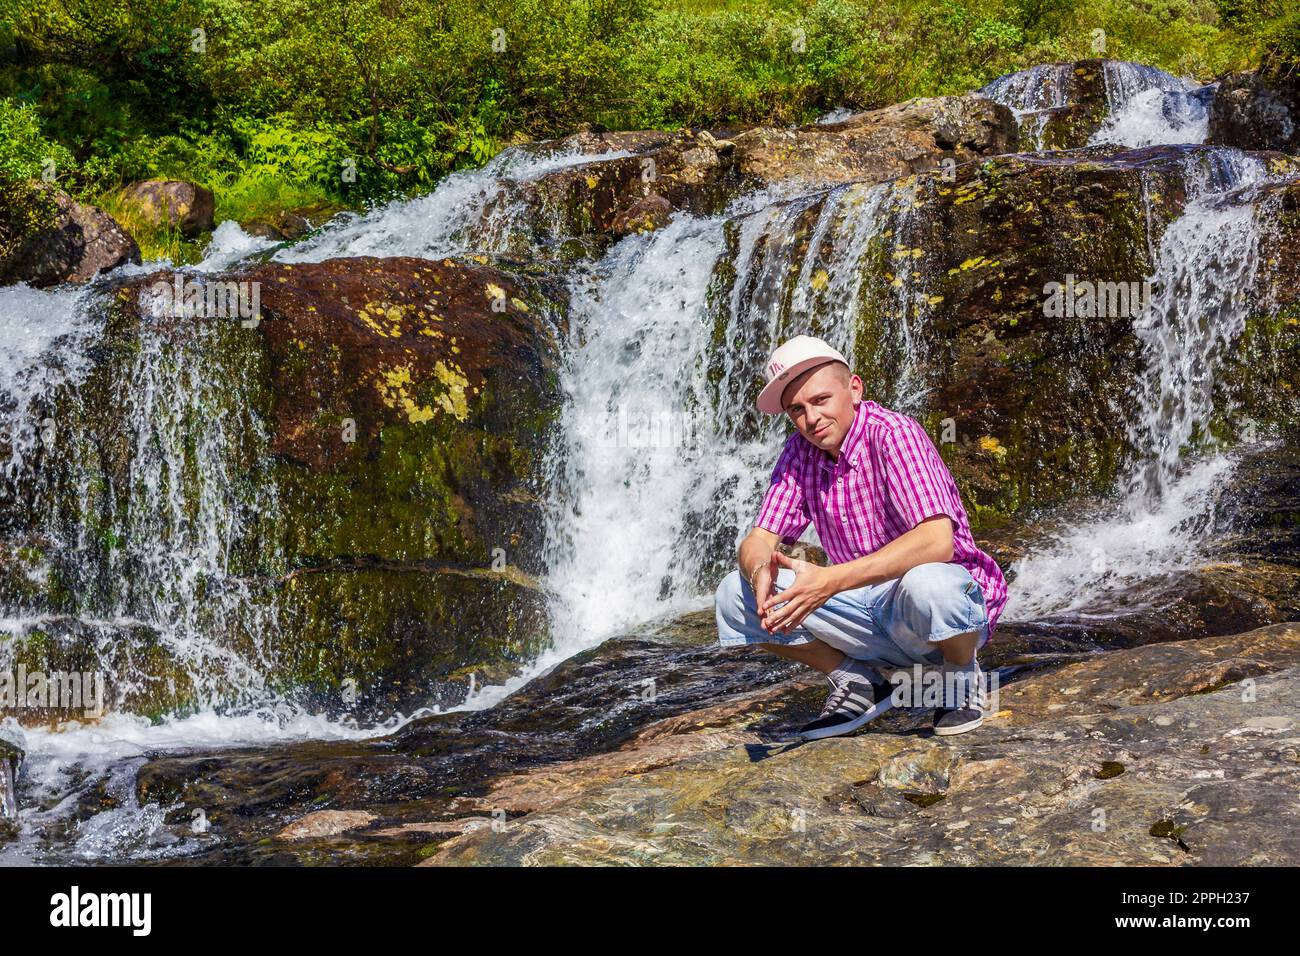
<point x="959" y="729"/>
<point x="839" y="730"/>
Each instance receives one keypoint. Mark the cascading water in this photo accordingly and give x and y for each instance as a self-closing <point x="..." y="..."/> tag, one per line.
<point x="663" y="459"/>
<point x="163" y="561"/>
<point x="477" y="210"/>
<point x="1204" y="270"/>
<point x="1149" y="107"/>
<point x="1032" y="95"/>
<point x="1145" y="106"/>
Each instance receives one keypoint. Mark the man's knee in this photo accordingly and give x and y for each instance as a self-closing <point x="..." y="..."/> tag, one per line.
<point x="932" y="584"/>
<point x="729" y="599"/>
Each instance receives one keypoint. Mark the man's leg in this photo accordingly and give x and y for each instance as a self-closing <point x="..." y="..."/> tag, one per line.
<point x="815" y="654"/>
<point x="839" y="639"/>
<point x="842" y="633"/>
<point x="940" y="604"/>
<point x="961" y="648"/>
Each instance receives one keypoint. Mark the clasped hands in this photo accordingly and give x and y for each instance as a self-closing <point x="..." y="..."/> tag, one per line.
<point x="783" y="612"/>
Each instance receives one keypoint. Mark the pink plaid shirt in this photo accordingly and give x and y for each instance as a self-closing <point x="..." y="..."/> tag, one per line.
<point x="888" y="479"/>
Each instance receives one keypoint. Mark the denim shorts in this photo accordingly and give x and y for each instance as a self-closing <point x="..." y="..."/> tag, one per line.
<point x="895" y="623"/>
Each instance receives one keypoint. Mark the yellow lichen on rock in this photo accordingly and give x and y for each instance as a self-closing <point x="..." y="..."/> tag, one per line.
<point x="993" y="447"/>
<point x="392" y="387"/>
<point x="455" y="382"/>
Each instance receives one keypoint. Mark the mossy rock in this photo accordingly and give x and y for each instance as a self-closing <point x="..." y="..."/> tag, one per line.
<point x="379" y="433"/>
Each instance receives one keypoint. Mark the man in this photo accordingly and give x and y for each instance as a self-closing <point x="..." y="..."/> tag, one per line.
<point x="906" y="585"/>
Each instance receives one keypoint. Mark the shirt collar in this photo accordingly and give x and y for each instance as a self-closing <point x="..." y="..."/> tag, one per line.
<point x="851" y="449"/>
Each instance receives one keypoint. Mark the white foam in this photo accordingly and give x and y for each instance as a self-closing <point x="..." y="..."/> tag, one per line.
<point x="230" y="244"/>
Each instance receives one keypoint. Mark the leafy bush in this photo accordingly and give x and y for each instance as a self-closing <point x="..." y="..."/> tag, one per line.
<point x="266" y="100"/>
<point x="25" y="157"/>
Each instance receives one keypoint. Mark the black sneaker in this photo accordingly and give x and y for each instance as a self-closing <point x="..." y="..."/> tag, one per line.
<point x="849" y="707"/>
<point x="967" y="710"/>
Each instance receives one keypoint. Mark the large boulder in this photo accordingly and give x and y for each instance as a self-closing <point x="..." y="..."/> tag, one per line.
<point x="77" y="243"/>
<point x="1171" y="754"/>
<point x="1158" y="736"/>
<point x="411" y="408"/>
<point x="881" y="144"/>
<point x="371" y="444"/>
<point x="172" y="204"/>
<point x="1249" y="113"/>
<point x="635" y="181"/>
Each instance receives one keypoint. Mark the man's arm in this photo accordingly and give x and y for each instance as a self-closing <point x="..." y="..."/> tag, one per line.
<point x="757" y="559"/>
<point x="931" y="540"/>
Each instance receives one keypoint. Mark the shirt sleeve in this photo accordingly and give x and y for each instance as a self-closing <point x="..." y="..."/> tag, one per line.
<point x="784" y="511"/>
<point x="920" y="484"/>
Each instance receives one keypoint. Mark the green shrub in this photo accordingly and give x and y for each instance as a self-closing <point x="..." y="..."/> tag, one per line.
<point x="270" y="100"/>
<point x="26" y="157"/>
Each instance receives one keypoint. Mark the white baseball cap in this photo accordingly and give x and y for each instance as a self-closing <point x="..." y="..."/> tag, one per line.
<point x="789" y="360"/>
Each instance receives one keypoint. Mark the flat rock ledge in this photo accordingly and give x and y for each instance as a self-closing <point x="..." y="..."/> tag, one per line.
<point x="1182" y="753"/>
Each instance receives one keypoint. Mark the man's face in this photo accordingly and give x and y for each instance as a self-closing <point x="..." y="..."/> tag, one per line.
<point x="821" y="402"/>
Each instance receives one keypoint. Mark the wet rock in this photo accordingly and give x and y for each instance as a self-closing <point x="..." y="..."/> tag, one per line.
<point x="325" y="823"/>
<point x="172" y="204"/>
<point x="80" y="242"/>
<point x="1030" y="786"/>
<point x="660" y="700"/>
<point x="607" y="198"/>
<point x="410" y="406"/>
<point x="1250" y="113"/>
<point x="881" y="144"/>
<point x="390" y="418"/>
<point x="427" y="779"/>
<point x="86" y="657"/>
<point x="288" y="224"/>
<point x="644" y="215"/>
<point x="1061" y="104"/>
<point x="11" y="759"/>
<point x="699" y="172"/>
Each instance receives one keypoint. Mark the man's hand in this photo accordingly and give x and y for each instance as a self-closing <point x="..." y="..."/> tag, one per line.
<point x="763" y="581"/>
<point x="813" y="587"/>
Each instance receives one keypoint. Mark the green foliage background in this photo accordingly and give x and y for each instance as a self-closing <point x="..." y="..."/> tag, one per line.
<point x="265" y="101"/>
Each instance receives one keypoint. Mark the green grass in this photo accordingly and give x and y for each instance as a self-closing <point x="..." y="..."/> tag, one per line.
<point x="156" y="242"/>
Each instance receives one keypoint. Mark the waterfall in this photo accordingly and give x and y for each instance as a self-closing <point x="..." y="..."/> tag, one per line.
<point x="1148" y="107"/>
<point x="1145" y="106"/>
<point x="476" y="210"/>
<point x="1032" y="95"/>
<point x="157" y="533"/>
<point x="662" y="460"/>
<point x="1204" y="270"/>
<point x="139" y="523"/>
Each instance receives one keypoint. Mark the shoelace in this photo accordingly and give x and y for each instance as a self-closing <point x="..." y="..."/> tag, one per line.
<point x="838" y="696"/>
